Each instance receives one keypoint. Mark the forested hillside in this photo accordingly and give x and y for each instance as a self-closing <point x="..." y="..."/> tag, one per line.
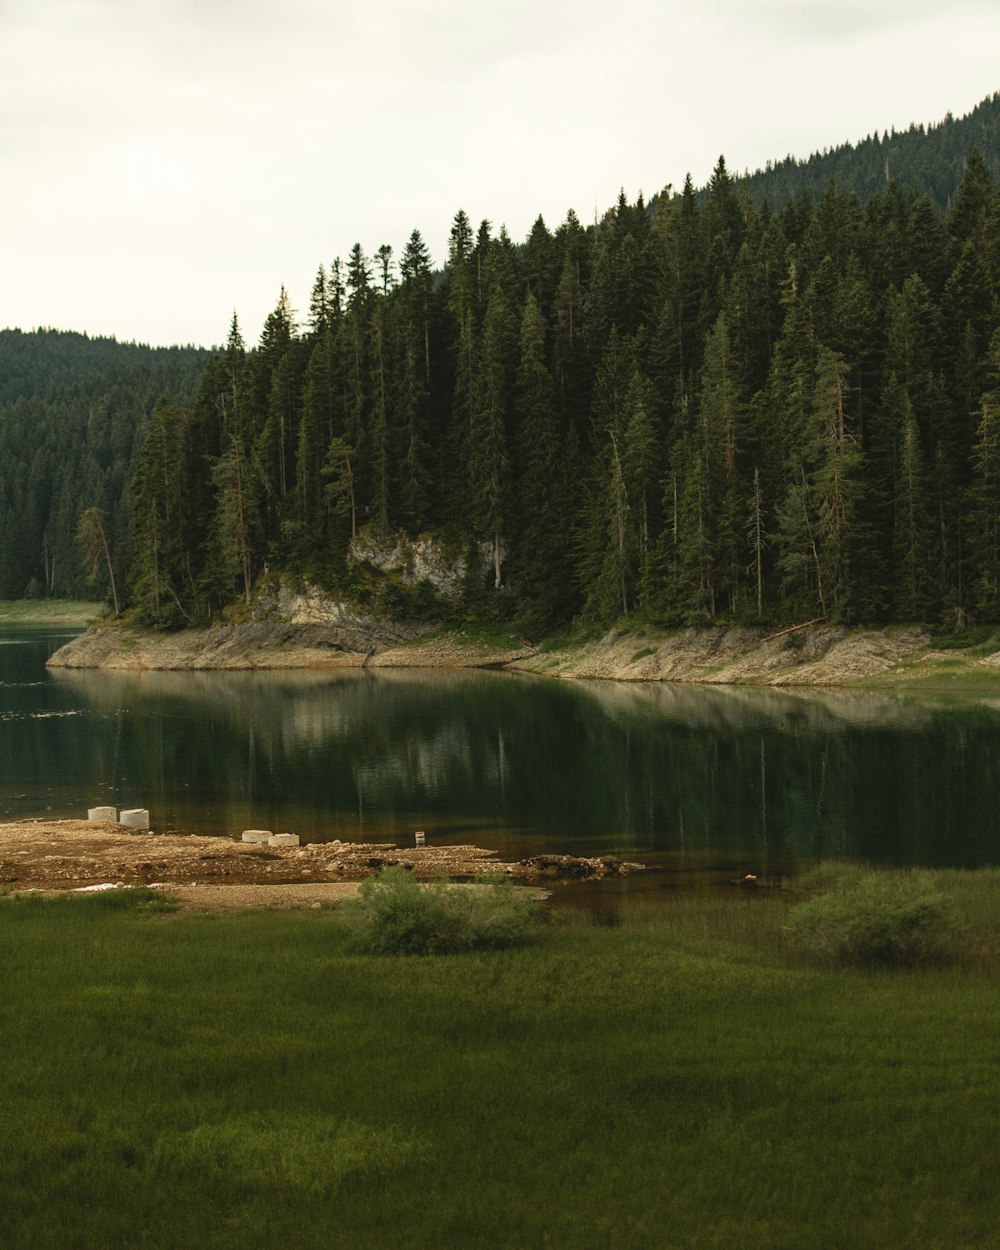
<point x="37" y="361"/>
<point x="705" y="412"/>
<point x="928" y="159"/>
<point x="696" y="409"/>
<point x="72" y="418"/>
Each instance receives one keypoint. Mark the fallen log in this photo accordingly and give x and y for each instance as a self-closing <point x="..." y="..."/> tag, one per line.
<point x="819" y="620"/>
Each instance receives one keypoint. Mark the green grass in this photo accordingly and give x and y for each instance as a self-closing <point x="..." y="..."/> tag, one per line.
<point x="954" y="667"/>
<point x="28" y="612"/>
<point x="982" y="640"/>
<point x="956" y="673"/>
<point x="486" y="633"/>
<point x="679" y="1080"/>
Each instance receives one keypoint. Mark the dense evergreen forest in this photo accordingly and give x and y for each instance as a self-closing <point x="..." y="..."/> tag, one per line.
<point x="696" y="409"/>
<point x="929" y="159"/>
<point x="39" y="362"/>
<point x="73" y="411"/>
<point x="692" y="414"/>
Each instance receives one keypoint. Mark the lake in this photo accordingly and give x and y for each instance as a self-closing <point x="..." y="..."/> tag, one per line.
<point x="698" y="780"/>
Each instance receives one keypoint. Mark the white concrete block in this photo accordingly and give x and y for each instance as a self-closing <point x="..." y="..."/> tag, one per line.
<point x="135" y="818"/>
<point x="256" y="835"/>
<point x="102" y="813"/>
<point x="283" y="839"/>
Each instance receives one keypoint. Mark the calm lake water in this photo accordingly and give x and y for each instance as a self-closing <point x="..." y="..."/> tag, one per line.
<point x="696" y="780"/>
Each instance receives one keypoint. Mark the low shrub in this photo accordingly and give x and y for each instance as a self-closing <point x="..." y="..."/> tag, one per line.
<point x="880" y="918"/>
<point x="396" y="915"/>
<point x="831" y="875"/>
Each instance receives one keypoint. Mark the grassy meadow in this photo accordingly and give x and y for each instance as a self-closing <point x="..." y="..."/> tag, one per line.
<point x="681" y="1079"/>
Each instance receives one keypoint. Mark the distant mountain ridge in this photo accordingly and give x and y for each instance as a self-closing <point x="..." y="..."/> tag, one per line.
<point x="33" y="362"/>
<point x="929" y="159"/>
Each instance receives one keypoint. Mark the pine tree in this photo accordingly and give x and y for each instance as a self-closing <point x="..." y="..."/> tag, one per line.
<point x="160" y="558"/>
<point x="984" y="499"/>
<point x="619" y="535"/>
<point x="757" y="540"/>
<point x="381" y="419"/>
<point x="752" y="304"/>
<point x="355" y="350"/>
<point x="320" y="311"/>
<point x="818" y="535"/>
<point x="967" y="316"/>
<point x="911" y="537"/>
<point x="418" y="286"/>
<point x="461" y="304"/>
<point x="384" y="258"/>
<point x="340" y="492"/>
<point x="544" y="471"/>
<point x="722" y="434"/>
<point x="724" y="232"/>
<point x="314" y="436"/>
<point x="539" y="260"/>
<point x="488" y="451"/>
<point x="973" y="199"/>
<point x="231" y="558"/>
<point x="415" y="387"/>
<point x="92" y="536"/>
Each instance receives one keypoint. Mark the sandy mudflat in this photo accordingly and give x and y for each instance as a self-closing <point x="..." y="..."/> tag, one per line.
<point x="220" y="872"/>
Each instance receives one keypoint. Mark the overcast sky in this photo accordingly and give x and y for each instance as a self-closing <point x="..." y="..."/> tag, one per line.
<point x="164" y="162"/>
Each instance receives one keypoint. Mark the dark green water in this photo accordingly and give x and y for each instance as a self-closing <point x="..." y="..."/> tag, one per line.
<point x="693" y="778"/>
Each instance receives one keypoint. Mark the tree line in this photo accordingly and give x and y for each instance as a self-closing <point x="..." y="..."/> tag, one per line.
<point x="688" y="411"/>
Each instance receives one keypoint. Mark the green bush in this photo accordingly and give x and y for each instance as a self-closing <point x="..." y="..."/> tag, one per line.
<point x="881" y="918"/>
<point x="832" y="875"/>
<point x="396" y="915"/>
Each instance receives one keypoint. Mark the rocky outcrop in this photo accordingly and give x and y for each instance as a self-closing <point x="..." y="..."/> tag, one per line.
<point x="574" y="867"/>
<point x="815" y="655"/>
<point x="423" y="561"/>
<point x="287" y="628"/>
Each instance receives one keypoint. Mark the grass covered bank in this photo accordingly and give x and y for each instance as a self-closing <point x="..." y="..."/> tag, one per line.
<point x="39" y="613"/>
<point x="680" y="1080"/>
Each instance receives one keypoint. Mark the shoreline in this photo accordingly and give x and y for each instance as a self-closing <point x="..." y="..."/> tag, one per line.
<point x="72" y="855"/>
<point x="814" y="655"/>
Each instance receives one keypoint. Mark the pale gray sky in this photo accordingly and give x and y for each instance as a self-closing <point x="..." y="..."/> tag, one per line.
<point x="163" y="162"/>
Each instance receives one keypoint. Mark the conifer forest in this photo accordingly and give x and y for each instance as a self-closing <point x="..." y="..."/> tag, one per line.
<point x="722" y="404"/>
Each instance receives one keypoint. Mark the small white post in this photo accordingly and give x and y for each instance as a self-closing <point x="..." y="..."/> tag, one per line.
<point x="256" y="835"/>
<point x="283" y="839"/>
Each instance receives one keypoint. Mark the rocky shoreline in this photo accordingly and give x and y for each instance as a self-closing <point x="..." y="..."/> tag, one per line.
<point x="818" y="656"/>
<point x="305" y="629"/>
